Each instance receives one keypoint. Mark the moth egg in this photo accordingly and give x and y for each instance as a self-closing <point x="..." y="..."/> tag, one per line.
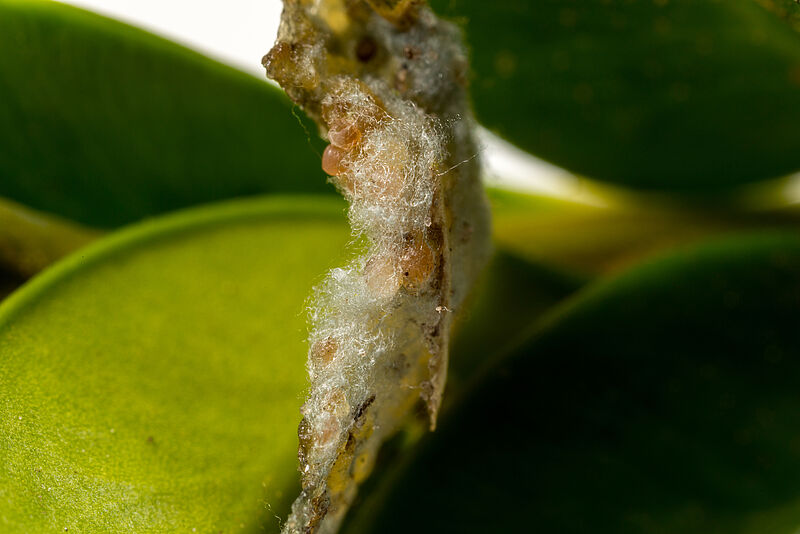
<point x="390" y="161"/>
<point x="332" y="160"/>
<point x="323" y="351"/>
<point x="336" y="403"/>
<point x="328" y="431"/>
<point x="381" y="277"/>
<point x="344" y="134"/>
<point x="417" y="263"/>
<point x="333" y="109"/>
<point x="393" y="153"/>
<point x="289" y="64"/>
<point x="387" y="185"/>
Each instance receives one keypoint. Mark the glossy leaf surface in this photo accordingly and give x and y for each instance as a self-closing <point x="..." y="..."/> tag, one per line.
<point x="105" y="124"/>
<point x="152" y="382"/>
<point x="664" y="94"/>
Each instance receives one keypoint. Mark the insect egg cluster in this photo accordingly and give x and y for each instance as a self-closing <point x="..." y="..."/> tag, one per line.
<point x="385" y="80"/>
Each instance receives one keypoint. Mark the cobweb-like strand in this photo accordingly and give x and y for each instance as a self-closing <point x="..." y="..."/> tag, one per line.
<point x="385" y="80"/>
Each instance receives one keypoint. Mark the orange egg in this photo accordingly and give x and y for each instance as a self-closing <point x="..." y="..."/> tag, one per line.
<point x="344" y="134"/>
<point x="323" y="351"/>
<point x="332" y="160"/>
<point x="336" y="403"/>
<point x="381" y="276"/>
<point x="417" y="262"/>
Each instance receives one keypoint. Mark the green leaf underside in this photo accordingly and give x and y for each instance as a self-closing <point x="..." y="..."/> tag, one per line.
<point x="672" y="95"/>
<point x="9" y="281"/>
<point x="511" y="293"/>
<point x="30" y="241"/>
<point x="104" y="124"/>
<point x="601" y="240"/>
<point x="151" y="383"/>
<point x="661" y="401"/>
<point x="784" y="9"/>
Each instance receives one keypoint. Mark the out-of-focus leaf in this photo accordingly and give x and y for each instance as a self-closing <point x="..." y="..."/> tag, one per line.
<point x="9" y="281"/>
<point x="511" y="293"/>
<point x="104" y="124"/>
<point x="785" y="9"/>
<point x="600" y="240"/>
<point x="661" y="401"/>
<point x="151" y="383"/>
<point x="30" y="241"/>
<point x="657" y="94"/>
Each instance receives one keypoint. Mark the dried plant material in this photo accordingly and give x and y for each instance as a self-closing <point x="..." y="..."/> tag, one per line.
<point x="386" y="81"/>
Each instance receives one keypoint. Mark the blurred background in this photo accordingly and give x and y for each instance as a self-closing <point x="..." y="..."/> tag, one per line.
<point x="237" y="32"/>
<point x="648" y="123"/>
<point x="240" y="32"/>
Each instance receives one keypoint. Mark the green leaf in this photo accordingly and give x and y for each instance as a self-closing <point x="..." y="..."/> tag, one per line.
<point x="663" y="94"/>
<point x="30" y="241"/>
<point x="599" y="240"/>
<point x="152" y="382"/>
<point x="662" y="401"/>
<point x="104" y="124"/>
<point x="510" y="294"/>
<point x="9" y="281"/>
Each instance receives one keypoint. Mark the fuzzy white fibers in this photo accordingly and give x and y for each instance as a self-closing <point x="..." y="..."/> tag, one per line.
<point x="404" y="156"/>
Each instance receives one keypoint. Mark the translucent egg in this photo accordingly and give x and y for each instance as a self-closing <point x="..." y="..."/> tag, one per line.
<point x="332" y="160"/>
<point x="323" y="351"/>
<point x="417" y="262"/>
<point x="382" y="277"/>
<point x="344" y="134"/>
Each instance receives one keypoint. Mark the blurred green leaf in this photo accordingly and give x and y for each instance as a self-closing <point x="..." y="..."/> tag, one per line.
<point x="105" y="124"/>
<point x="510" y="294"/>
<point x="9" y="281"/>
<point x="656" y="94"/>
<point x="30" y="241"/>
<point x="785" y="9"/>
<point x="599" y="240"/>
<point x="152" y="382"/>
<point x="662" y="401"/>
